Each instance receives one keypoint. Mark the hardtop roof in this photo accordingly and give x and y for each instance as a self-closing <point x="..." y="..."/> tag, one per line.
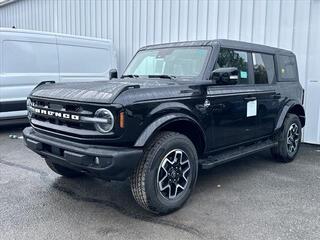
<point x="240" y="45"/>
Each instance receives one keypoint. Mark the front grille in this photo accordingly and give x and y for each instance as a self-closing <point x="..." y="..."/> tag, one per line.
<point x="59" y="124"/>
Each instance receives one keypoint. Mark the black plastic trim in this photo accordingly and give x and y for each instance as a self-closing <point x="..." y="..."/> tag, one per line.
<point x="118" y="162"/>
<point x="13" y="106"/>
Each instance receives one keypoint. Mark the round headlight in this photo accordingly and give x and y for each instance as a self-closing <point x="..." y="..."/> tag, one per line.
<point x="104" y="120"/>
<point x="28" y="103"/>
<point x="29" y="108"/>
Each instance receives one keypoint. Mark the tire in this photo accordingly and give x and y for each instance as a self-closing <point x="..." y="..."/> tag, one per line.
<point x="158" y="168"/>
<point x="63" y="171"/>
<point x="288" y="146"/>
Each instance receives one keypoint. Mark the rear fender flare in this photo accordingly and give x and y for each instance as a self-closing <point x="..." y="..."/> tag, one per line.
<point x="285" y="110"/>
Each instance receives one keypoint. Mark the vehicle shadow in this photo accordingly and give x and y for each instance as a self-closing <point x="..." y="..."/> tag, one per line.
<point x="12" y="127"/>
<point x="93" y="193"/>
<point x="236" y="168"/>
<point x="117" y="195"/>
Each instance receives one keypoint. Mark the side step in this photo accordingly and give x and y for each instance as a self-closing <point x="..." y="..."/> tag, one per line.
<point x="235" y="153"/>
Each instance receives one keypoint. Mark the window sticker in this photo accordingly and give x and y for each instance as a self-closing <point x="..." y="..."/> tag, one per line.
<point x="243" y="74"/>
<point x="252" y="108"/>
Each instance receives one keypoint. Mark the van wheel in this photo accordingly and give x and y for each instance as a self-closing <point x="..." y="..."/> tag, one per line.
<point x="289" y="140"/>
<point x="166" y="175"/>
<point x="63" y="171"/>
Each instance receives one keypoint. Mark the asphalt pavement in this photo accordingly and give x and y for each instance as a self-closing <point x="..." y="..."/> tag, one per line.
<point x="251" y="198"/>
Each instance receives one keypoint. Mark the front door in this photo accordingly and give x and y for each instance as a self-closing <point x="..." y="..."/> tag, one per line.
<point x="234" y="115"/>
<point x="232" y="98"/>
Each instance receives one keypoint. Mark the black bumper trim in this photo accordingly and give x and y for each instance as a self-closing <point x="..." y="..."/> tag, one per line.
<point x="114" y="163"/>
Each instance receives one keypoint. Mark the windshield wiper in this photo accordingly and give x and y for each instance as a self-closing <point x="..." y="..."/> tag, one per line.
<point x="130" y="76"/>
<point x="162" y="76"/>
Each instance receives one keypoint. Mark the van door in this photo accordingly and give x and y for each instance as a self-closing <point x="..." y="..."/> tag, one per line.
<point x="28" y="59"/>
<point x="0" y="73"/>
<point x="84" y="59"/>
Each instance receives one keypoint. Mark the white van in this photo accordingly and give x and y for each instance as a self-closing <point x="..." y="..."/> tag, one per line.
<point x="30" y="57"/>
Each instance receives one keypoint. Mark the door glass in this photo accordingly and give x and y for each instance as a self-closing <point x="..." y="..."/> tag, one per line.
<point x="263" y="68"/>
<point x="231" y="68"/>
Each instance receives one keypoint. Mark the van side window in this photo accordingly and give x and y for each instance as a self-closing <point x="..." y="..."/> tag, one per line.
<point x="79" y="59"/>
<point x="30" y="57"/>
<point x="231" y="68"/>
<point x="263" y="68"/>
<point x="287" y="68"/>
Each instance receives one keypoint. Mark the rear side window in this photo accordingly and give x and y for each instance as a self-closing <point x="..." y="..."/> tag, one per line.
<point x="287" y="68"/>
<point x="231" y="68"/>
<point x="263" y="68"/>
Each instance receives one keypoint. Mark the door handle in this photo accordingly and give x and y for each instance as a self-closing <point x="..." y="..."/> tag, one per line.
<point x="276" y="95"/>
<point x="218" y="107"/>
<point x="250" y="98"/>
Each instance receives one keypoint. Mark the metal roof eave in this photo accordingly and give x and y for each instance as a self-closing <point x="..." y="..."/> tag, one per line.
<point x="6" y="2"/>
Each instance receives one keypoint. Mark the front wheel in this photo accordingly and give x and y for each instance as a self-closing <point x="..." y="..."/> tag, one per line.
<point x="288" y="140"/>
<point x="165" y="177"/>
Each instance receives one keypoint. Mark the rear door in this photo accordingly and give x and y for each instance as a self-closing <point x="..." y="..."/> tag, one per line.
<point x="267" y="95"/>
<point x="27" y="59"/>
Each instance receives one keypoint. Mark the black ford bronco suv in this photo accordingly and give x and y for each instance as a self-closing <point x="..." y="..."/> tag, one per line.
<point x="178" y="107"/>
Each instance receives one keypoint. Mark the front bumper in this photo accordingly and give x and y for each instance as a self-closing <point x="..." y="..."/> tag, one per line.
<point x="106" y="162"/>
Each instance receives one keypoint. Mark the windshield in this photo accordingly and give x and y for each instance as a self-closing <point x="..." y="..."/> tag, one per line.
<point x="169" y="62"/>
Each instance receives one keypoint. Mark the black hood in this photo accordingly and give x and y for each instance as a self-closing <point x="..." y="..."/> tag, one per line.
<point x="98" y="92"/>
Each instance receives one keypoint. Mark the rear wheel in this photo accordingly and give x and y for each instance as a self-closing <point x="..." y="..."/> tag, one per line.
<point x="166" y="175"/>
<point x="289" y="140"/>
<point x="61" y="170"/>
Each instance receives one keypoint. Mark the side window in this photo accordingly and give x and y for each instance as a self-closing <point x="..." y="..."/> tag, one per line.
<point x="287" y="68"/>
<point x="81" y="59"/>
<point x="263" y="68"/>
<point x="231" y="68"/>
<point x="30" y="57"/>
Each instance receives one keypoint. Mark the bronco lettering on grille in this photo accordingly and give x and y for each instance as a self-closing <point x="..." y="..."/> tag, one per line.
<point x="56" y="114"/>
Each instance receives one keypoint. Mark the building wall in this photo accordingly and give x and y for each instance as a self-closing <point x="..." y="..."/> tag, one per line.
<point x="289" y="24"/>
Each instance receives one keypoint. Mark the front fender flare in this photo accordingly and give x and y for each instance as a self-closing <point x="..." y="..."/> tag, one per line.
<point x="161" y="122"/>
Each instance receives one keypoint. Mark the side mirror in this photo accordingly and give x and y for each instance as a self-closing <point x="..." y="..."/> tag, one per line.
<point x="225" y="76"/>
<point x="113" y="73"/>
